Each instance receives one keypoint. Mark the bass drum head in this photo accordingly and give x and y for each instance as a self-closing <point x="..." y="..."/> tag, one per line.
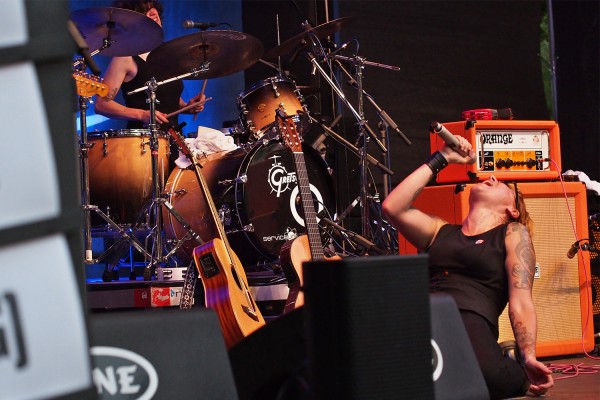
<point x="271" y="200"/>
<point x="255" y="194"/>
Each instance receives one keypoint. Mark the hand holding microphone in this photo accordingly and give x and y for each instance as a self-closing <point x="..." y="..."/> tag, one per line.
<point x="463" y="149"/>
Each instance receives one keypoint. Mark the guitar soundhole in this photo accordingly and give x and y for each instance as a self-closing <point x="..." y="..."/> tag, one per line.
<point x="236" y="278"/>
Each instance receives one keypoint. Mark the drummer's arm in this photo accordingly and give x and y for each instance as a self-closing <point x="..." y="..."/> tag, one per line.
<point x="120" y="69"/>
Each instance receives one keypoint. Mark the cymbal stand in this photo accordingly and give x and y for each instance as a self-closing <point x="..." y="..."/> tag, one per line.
<point x="384" y="233"/>
<point x="84" y="147"/>
<point x="156" y="257"/>
<point x="385" y="122"/>
<point x="364" y="132"/>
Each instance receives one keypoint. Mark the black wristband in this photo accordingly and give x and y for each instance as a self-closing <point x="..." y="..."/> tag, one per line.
<point x="437" y="162"/>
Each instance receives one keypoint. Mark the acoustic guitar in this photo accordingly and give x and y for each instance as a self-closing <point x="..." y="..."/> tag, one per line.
<point x="223" y="277"/>
<point x="305" y="247"/>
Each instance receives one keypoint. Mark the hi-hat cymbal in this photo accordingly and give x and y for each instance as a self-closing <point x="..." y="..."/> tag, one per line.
<point x="128" y="33"/>
<point x="300" y="40"/>
<point x="212" y="53"/>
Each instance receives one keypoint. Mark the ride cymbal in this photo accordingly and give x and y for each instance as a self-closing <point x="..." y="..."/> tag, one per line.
<point x="300" y="40"/>
<point x="212" y="53"/>
<point x="124" y="32"/>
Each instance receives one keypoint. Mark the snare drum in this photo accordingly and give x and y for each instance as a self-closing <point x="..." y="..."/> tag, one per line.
<point x="256" y="195"/>
<point x="120" y="172"/>
<point x="259" y="104"/>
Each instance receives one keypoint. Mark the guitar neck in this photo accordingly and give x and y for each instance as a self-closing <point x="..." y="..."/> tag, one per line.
<point x="310" y="216"/>
<point x="205" y="190"/>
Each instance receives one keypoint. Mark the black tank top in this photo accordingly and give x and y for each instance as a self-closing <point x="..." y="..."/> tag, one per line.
<point x="471" y="269"/>
<point x="168" y="94"/>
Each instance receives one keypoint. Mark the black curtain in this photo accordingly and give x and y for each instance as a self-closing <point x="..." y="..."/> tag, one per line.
<point x="577" y="36"/>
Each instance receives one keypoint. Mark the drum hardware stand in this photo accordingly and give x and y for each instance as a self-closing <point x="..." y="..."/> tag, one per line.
<point x="85" y="146"/>
<point x="156" y="257"/>
<point x="354" y="237"/>
<point x="330" y="132"/>
<point x="363" y="130"/>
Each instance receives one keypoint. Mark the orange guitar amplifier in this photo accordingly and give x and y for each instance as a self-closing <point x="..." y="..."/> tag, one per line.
<point x="509" y="150"/>
<point x="561" y="288"/>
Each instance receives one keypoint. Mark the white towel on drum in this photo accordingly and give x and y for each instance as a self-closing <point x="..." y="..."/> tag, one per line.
<point x="207" y="142"/>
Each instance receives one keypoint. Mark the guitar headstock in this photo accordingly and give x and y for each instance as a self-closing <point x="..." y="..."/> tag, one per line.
<point x="180" y="140"/>
<point x="89" y="85"/>
<point x="289" y="133"/>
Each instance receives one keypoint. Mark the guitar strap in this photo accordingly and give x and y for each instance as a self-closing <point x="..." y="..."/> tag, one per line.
<point x="189" y="286"/>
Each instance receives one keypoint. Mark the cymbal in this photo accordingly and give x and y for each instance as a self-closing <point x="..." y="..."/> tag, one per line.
<point x="130" y="33"/>
<point x="298" y="41"/>
<point x="222" y="52"/>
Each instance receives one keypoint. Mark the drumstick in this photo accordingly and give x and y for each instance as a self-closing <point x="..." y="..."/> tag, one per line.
<point x="201" y="93"/>
<point x="188" y="107"/>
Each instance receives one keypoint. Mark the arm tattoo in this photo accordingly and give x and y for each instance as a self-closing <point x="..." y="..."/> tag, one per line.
<point x="525" y="268"/>
<point x="111" y="95"/>
<point x="525" y="340"/>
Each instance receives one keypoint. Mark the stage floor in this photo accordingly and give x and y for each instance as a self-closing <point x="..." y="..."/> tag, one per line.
<point x="581" y="379"/>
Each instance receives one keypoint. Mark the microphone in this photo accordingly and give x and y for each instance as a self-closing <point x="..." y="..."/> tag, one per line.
<point x="200" y="25"/>
<point x="449" y="139"/>
<point x="584" y="247"/>
<point x="573" y="250"/>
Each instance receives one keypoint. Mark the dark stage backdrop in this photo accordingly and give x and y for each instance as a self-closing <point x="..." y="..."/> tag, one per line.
<point x="454" y="56"/>
<point x="577" y="32"/>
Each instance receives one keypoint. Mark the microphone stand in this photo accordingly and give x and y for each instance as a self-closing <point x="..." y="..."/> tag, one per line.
<point x="382" y="114"/>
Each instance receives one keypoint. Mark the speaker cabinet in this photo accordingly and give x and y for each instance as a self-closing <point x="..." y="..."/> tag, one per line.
<point x="561" y="290"/>
<point x="506" y="149"/>
<point x="368" y="328"/>
<point x="456" y="372"/>
<point x="172" y="355"/>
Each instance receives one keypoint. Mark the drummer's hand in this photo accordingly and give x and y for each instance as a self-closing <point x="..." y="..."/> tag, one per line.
<point x="200" y="98"/>
<point x="161" y="118"/>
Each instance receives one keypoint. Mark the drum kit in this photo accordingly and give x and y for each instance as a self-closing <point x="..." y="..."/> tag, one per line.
<point x="123" y="172"/>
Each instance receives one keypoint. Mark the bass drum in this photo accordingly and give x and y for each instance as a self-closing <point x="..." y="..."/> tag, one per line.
<point x="256" y="195"/>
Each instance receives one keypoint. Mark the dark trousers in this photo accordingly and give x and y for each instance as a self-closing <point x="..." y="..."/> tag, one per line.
<point x="504" y="376"/>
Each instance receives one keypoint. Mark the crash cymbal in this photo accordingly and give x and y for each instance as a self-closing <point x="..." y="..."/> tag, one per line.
<point x="222" y="52"/>
<point x="300" y="40"/>
<point x="129" y="33"/>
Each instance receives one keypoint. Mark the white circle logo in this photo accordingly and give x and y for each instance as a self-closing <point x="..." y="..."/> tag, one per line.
<point x="437" y="360"/>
